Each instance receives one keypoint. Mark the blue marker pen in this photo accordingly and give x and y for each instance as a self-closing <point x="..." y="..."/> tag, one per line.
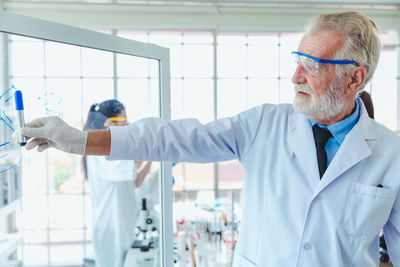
<point x="19" y="106"/>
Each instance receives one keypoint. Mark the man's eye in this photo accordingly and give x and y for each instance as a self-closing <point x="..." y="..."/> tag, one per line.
<point x="308" y="66"/>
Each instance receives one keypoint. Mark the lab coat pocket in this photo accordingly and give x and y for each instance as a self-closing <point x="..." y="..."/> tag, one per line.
<point x="368" y="209"/>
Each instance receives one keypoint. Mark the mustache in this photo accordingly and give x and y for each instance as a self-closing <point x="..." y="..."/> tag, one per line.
<point x="303" y="88"/>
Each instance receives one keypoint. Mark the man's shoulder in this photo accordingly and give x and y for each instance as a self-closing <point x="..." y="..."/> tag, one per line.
<point x="270" y="110"/>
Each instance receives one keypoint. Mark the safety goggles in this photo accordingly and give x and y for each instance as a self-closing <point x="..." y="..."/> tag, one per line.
<point x="118" y="119"/>
<point x="314" y="65"/>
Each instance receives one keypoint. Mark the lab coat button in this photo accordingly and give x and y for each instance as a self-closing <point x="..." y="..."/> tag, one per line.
<point x="307" y="247"/>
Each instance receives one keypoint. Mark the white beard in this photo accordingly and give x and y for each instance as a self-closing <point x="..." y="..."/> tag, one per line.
<point x="325" y="106"/>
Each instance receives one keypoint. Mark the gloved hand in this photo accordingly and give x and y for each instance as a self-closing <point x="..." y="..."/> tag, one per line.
<point x="54" y="132"/>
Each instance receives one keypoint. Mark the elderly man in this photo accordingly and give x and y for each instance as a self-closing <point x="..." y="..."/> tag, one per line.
<point x="320" y="176"/>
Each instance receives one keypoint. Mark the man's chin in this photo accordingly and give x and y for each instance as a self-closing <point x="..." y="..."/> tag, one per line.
<point x="301" y="104"/>
<point x="303" y="108"/>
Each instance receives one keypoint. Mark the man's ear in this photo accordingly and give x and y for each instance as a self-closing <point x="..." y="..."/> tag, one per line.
<point x="357" y="77"/>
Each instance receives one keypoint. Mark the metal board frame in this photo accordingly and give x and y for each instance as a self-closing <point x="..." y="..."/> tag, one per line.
<point x="50" y="31"/>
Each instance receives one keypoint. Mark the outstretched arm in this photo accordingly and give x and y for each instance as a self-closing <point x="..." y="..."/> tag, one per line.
<point x="49" y="132"/>
<point x="98" y="143"/>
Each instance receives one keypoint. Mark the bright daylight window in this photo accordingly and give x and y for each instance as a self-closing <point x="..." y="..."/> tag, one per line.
<point x="251" y="69"/>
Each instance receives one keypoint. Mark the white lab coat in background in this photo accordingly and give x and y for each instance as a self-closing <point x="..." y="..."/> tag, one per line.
<point x="149" y="190"/>
<point x="112" y="192"/>
<point x="290" y="216"/>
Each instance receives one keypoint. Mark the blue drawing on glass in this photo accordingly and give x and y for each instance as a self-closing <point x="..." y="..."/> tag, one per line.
<point x="6" y="118"/>
<point x="51" y="103"/>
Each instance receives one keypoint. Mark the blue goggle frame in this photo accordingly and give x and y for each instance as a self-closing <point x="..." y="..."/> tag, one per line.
<point x="328" y="61"/>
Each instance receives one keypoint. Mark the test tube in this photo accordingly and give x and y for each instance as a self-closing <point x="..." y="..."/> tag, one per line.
<point x="19" y="106"/>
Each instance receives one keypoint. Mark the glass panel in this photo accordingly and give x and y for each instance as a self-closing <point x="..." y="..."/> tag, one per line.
<point x="230" y="175"/>
<point x="35" y="255"/>
<point x="141" y="99"/>
<point x="96" y="91"/>
<point x="35" y="212"/>
<point x="64" y="173"/>
<point x="387" y="66"/>
<point x="177" y="104"/>
<point x="263" y="39"/>
<point x="176" y="57"/>
<point x="66" y="254"/>
<point x="231" y="61"/>
<point x="96" y="63"/>
<point x="35" y="237"/>
<point x="34" y="97"/>
<point x="66" y="211"/>
<point x="66" y="236"/>
<point x="199" y="177"/>
<point x="287" y="65"/>
<point x="198" y="61"/>
<point x="262" y="91"/>
<point x="62" y="94"/>
<point x="129" y="66"/>
<point x="138" y="93"/>
<point x="232" y="95"/>
<point x="291" y="38"/>
<point x="286" y="91"/>
<point x="198" y="99"/>
<point x="384" y="96"/>
<point x="88" y="212"/>
<point x="70" y="56"/>
<point x="263" y="61"/>
<point x="27" y="59"/>
<point x="60" y="213"/>
<point x="390" y="37"/>
<point x="35" y="174"/>
<point x="231" y="39"/>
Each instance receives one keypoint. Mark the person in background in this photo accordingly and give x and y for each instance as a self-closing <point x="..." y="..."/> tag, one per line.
<point x="369" y="106"/>
<point x="149" y="187"/>
<point x="112" y="191"/>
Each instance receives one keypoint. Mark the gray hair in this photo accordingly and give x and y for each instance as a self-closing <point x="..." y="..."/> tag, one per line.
<point x="362" y="43"/>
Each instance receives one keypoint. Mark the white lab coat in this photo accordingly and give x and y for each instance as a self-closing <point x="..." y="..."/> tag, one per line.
<point x="112" y="192"/>
<point x="290" y="216"/>
<point x="149" y="190"/>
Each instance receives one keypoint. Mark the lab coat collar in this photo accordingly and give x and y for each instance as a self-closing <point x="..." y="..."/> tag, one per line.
<point x="355" y="147"/>
<point x="301" y="143"/>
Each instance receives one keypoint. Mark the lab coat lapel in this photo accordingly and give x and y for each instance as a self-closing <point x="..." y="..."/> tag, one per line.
<point x="301" y="143"/>
<point x="355" y="147"/>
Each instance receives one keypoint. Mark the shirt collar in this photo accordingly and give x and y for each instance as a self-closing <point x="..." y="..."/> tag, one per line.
<point x="340" y="129"/>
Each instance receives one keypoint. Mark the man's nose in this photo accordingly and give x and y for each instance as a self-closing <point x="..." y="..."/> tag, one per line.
<point x="299" y="75"/>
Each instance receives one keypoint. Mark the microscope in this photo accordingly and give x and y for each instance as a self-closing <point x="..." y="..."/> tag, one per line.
<point x="144" y="250"/>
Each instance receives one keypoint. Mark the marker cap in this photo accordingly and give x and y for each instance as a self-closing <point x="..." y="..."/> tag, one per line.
<point x="19" y="105"/>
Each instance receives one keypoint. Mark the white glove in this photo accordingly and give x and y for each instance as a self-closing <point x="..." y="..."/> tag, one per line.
<point x="54" y="132"/>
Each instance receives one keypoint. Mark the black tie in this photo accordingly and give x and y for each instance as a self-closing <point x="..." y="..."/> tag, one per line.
<point x="321" y="136"/>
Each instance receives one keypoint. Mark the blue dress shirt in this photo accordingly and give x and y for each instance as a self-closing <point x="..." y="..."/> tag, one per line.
<point x="339" y="131"/>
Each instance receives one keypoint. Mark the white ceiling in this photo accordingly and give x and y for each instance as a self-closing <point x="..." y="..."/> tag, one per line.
<point x="227" y="3"/>
<point x="258" y="15"/>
